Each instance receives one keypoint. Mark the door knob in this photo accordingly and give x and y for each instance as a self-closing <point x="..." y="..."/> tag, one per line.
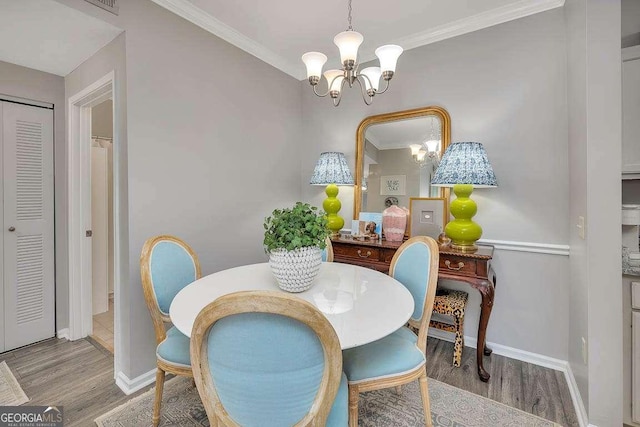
<point x="12" y="228"/>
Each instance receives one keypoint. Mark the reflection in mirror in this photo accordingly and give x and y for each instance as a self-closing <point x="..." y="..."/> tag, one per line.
<point x="396" y="156"/>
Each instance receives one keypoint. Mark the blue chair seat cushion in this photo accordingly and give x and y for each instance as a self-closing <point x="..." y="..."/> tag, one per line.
<point x="390" y="356"/>
<point x="339" y="415"/>
<point x="175" y="349"/>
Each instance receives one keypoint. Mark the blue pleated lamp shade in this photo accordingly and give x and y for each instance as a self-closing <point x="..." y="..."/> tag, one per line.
<point x="332" y="168"/>
<point x="464" y="163"/>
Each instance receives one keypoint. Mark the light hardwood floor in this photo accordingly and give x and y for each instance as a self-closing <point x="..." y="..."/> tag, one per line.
<point x="79" y="376"/>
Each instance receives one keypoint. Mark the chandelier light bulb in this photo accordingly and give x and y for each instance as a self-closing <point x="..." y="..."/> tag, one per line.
<point x="314" y="62"/>
<point x="432" y="145"/>
<point x="348" y="42"/>
<point x="388" y="56"/>
<point x="334" y="79"/>
<point x="421" y="155"/>
<point x="415" y="149"/>
<point x="373" y="80"/>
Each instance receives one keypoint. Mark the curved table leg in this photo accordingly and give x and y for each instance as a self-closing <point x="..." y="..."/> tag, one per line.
<point x="487" y="350"/>
<point x="487" y="291"/>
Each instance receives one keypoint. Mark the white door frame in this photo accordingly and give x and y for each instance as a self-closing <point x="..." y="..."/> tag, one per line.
<point x="79" y="209"/>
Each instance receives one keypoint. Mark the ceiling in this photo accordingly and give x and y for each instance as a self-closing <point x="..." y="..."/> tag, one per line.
<point x="48" y="36"/>
<point x="279" y="32"/>
<point x="402" y="133"/>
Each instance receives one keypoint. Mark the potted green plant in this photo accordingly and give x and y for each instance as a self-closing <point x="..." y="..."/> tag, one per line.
<point x="294" y="239"/>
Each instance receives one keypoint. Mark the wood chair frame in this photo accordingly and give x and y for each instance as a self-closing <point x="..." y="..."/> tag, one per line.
<point x="158" y="317"/>
<point x="329" y="249"/>
<point x="275" y="303"/>
<point x="421" y="324"/>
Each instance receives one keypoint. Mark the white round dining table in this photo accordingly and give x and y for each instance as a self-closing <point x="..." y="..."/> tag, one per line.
<point x="362" y="305"/>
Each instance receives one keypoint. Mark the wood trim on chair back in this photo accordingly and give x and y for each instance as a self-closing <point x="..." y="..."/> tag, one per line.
<point x="329" y="250"/>
<point x="274" y="303"/>
<point x="422" y="324"/>
<point x="158" y="317"/>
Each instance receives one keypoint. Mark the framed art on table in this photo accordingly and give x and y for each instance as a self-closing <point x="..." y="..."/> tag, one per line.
<point x="428" y="216"/>
<point x="375" y="217"/>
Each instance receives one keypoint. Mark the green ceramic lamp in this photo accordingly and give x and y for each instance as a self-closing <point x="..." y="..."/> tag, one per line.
<point x="464" y="166"/>
<point x="332" y="170"/>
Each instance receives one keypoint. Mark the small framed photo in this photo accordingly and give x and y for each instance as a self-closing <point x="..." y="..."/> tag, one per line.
<point x="369" y="217"/>
<point x="428" y="216"/>
<point x="393" y="185"/>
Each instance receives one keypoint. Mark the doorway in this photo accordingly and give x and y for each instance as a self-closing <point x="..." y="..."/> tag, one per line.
<point x="102" y="223"/>
<point x="79" y="145"/>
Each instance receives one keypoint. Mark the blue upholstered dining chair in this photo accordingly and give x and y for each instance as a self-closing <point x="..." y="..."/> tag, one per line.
<point x="167" y="265"/>
<point x="327" y="252"/>
<point x="399" y="358"/>
<point x="267" y="359"/>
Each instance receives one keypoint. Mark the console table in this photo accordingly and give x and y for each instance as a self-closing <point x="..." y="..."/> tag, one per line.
<point x="471" y="268"/>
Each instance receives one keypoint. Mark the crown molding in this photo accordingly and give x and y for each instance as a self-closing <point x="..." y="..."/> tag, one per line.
<point x="202" y="19"/>
<point x="477" y="22"/>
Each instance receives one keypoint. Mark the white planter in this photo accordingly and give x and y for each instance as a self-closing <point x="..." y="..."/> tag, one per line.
<point x="295" y="270"/>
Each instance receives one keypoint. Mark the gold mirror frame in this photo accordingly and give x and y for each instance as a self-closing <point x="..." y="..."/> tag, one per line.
<point x="440" y="112"/>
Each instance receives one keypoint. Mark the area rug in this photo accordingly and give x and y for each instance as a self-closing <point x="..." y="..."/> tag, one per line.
<point x="11" y="394"/>
<point x="450" y="407"/>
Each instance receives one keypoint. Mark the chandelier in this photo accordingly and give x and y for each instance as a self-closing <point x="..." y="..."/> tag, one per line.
<point x="429" y="151"/>
<point x="368" y="79"/>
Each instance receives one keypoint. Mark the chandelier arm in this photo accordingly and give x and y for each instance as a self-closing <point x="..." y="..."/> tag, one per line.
<point x="364" y="76"/>
<point x="362" y="91"/>
<point x="336" y="101"/>
<point x="385" y="88"/>
<point x="317" y="94"/>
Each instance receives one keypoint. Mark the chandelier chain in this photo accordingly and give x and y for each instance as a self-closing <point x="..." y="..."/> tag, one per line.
<point x="350" y="28"/>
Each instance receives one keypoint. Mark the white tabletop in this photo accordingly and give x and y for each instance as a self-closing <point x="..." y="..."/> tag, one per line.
<point x="363" y="305"/>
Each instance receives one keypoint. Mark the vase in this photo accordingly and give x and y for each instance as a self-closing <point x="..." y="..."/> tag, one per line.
<point x="295" y="270"/>
<point x="394" y="222"/>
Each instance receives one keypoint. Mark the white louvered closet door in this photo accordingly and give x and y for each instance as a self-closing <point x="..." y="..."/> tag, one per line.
<point x="28" y="247"/>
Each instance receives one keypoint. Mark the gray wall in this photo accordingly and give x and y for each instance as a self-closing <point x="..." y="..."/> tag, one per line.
<point x="575" y="12"/>
<point x="504" y="86"/>
<point x="214" y="147"/>
<point x="36" y="85"/>
<point x="594" y="96"/>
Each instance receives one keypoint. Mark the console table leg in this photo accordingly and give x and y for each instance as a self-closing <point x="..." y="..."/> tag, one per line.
<point x="487" y="293"/>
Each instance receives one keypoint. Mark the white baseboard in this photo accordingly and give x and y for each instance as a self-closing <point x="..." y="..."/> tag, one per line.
<point x="503" y="350"/>
<point x="578" y="404"/>
<point x="533" y="358"/>
<point x="63" y="333"/>
<point x="129" y="386"/>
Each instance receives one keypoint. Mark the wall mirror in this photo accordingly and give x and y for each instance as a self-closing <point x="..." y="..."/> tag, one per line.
<point x="396" y="156"/>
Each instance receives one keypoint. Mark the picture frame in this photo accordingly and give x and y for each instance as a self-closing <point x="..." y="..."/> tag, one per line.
<point x="428" y="216"/>
<point x="393" y="185"/>
<point x="375" y="217"/>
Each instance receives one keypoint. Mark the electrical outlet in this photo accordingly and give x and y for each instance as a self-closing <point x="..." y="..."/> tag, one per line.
<point x="580" y="226"/>
<point x="584" y="350"/>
